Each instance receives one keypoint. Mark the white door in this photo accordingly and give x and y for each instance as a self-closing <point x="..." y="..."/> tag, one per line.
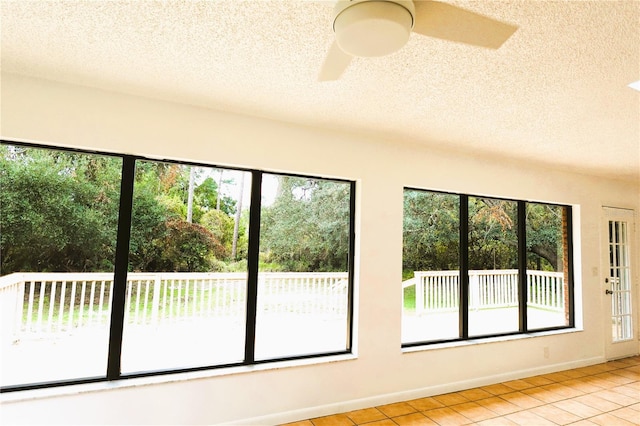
<point x="620" y="283"/>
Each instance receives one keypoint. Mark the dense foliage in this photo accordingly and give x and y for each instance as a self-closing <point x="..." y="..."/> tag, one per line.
<point x="493" y="240"/>
<point x="432" y="235"/>
<point x="307" y="227"/>
<point x="431" y="231"/>
<point x="59" y="212"/>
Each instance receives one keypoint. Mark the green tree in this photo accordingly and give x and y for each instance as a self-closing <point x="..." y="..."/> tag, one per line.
<point x="221" y="227"/>
<point x="493" y="238"/>
<point x="58" y="210"/>
<point x="160" y="229"/>
<point x="206" y="196"/>
<point x="430" y="231"/>
<point x="148" y="228"/>
<point x="188" y="247"/>
<point x="307" y="227"/>
<point x="544" y="237"/>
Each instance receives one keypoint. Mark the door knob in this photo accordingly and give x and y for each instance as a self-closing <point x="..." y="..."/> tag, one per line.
<point x="608" y="292"/>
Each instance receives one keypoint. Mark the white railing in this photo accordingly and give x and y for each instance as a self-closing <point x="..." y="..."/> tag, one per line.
<point x="153" y="298"/>
<point x="11" y="296"/>
<point x="439" y="290"/>
<point x="35" y="303"/>
<point x="546" y="290"/>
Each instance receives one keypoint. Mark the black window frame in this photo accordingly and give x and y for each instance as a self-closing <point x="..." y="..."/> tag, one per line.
<point x="463" y="295"/>
<point x="116" y="325"/>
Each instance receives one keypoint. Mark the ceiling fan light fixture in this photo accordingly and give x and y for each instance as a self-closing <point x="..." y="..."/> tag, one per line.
<point x="373" y="28"/>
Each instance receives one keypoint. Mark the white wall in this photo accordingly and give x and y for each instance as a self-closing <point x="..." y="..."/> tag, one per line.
<point x="46" y="112"/>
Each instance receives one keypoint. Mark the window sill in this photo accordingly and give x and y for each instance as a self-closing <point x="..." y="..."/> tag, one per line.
<point x="76" y="389"/>
<point x="486" y="340"/>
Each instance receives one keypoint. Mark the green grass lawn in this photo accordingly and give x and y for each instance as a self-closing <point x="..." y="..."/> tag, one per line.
<point x="409" y="300"/>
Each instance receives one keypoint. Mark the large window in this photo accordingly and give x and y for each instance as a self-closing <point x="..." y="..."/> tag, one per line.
<point x="477" y="267"/>
<point x="118" y="266"/>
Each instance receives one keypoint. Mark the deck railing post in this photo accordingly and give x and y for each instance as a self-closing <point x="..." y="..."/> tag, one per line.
<point x="420" y="289"/>
<point x="17" y="324"/>
<point x="155" y="304"/>
<point x="474" y="290"/>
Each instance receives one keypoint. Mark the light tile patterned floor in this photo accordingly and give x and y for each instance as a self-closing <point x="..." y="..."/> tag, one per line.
<point x="604" y="394"/>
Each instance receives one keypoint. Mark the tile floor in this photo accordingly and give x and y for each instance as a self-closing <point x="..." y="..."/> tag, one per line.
<point x="604" y="394"/>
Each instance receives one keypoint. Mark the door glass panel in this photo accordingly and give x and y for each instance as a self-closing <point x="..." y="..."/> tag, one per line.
<point x="619" y="282"/>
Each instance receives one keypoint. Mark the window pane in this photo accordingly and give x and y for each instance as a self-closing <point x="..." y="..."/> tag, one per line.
<point x="58" y="215"/>
<point x="547" y="267"/>
<point x="186" y="286"/>
<point x="303" y="278"/>
<point x="493" y="266"/>
<point x="430" y="266"/>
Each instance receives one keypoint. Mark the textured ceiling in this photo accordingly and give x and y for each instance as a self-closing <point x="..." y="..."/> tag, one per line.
<point x="556" y="92"/>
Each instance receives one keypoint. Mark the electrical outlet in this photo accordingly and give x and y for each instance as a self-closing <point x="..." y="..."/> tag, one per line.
<point x="546" y="352"/>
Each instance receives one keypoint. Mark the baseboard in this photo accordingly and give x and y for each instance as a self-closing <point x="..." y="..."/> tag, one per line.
<point x="356" y="404"/>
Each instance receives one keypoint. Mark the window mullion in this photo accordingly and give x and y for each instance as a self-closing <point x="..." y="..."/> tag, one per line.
<point x="464" y="268"/>
<point x="120" y="269"/>
<point x="522" y="266"/>
<point x="253" y="251"/>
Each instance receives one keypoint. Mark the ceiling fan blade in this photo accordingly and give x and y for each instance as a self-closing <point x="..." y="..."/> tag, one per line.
<point x="447" y="22"/>
<point x="335" y="63"/>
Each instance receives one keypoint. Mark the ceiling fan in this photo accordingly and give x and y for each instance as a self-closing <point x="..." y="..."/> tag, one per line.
<point x="366" y="28"/>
